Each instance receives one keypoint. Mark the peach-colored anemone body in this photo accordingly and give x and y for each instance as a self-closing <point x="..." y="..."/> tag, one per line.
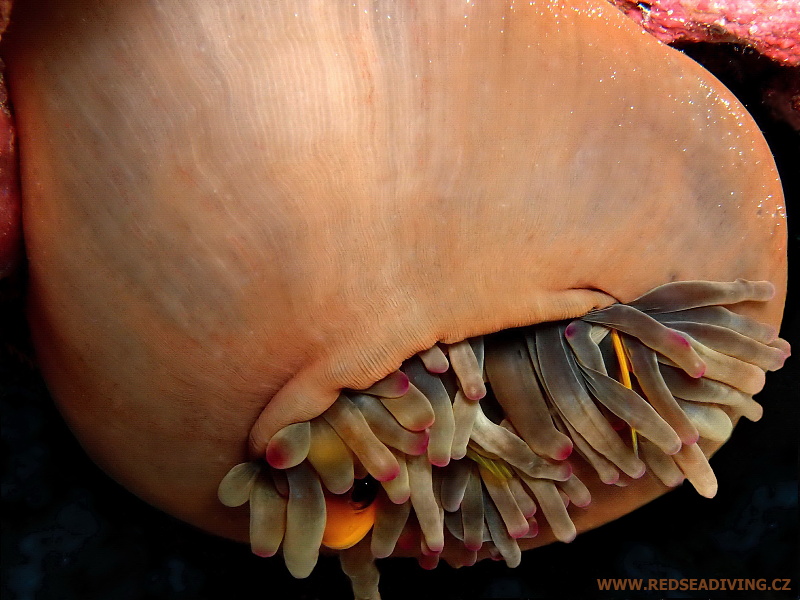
<point x="235" y="205"/>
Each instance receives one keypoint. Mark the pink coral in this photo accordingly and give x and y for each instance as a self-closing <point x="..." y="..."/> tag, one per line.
<point x="772" y="27"/>
<point x="10" y="217"/>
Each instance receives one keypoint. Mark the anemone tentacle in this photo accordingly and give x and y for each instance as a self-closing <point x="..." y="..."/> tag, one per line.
<point x="473" y="438"/>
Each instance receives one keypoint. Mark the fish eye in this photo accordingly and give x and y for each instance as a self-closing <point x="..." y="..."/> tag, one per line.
<point x="364" y="492"/>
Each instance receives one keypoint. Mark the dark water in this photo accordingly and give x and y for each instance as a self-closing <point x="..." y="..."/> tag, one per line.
<point x="69" y="532"/>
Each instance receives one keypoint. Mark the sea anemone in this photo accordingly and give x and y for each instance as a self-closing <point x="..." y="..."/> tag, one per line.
<point x="695" y="366"/>
<point x="487" y="262"/>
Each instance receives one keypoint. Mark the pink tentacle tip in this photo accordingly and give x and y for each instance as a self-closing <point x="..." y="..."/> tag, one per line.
<point x="401" y="381"/>
<point x="533" y="528"/>
<point x="520" y="532"/>
<point x="569" y="332"/>
<point x="402" y="499"/>
<point x="679" y="339"/>
<point x="676" y="482"/>
<point x="567" y="469"/>
<point x="475" y="392"/>
<point x="472" y="547"/>
<point x="277" y="456"/>
<point x="430" y="551"/>
<point x="264" y="553"/>
<point x="699" y="370"/>
<point x="611" y="479"/>
<point x="563" y="453"/>
<point x="394" y="385"/>
<point x="429" y="563"/>
<point x="389" y="474"/>
<point x="688" y="440"/>
<point x="424" y="441"/>
<point x="442" y="461"/>
<point x="583" y="503"/>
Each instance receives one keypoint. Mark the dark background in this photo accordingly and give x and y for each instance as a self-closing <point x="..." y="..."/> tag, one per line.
<point x="70" y="532"/>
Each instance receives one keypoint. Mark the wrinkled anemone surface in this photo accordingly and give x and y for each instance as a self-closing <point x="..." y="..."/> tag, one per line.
<point x="474" y="438"/>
